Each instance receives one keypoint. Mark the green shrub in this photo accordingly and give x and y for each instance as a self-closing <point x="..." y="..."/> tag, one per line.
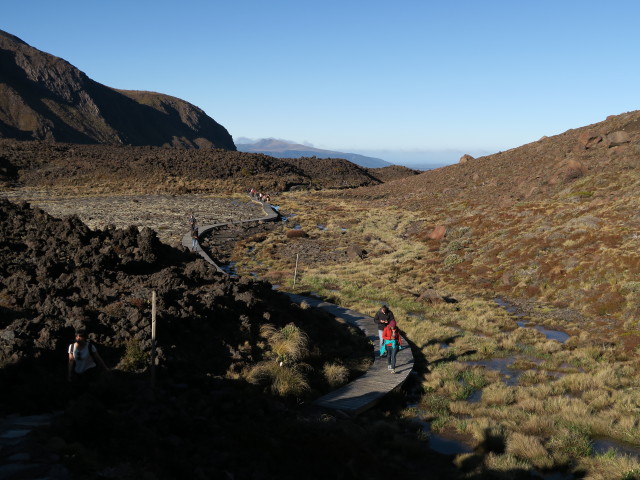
<point x="451" y="260"/>
<point x="135" y="358"/>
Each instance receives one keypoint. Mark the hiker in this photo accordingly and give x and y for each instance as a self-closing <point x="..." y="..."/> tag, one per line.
<point x="194" y="238"/>
<point x="83" y="356"/>
<point x="382" y="319"/>
<point x="392" y="344"/>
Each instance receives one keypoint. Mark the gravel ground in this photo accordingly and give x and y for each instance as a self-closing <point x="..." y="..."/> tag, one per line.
<point x="166" y="214"/>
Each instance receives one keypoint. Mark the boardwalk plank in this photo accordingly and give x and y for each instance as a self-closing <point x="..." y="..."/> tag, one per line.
<point x="365" y="391"/>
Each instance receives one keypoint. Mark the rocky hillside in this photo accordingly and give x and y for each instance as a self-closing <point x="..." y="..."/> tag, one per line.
<point x="554" y="221"/>
<point x="536" y="171"/>
<point x="43" y="97"/>
<point x="212" y="411"/>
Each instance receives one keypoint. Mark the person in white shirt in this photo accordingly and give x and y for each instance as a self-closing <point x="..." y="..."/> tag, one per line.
<point x="83" y="360"/>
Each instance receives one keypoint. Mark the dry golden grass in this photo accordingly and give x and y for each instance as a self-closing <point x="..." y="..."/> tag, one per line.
<point x="288" y="344"/>
<point x="610" y="467"/>
<point x="497" y="395"/>
<point x="335" y="374"/>
<point x="281" y="380"/>
<point x="530" y="449"/>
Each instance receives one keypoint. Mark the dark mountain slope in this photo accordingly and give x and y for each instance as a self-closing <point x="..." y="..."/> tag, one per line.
<point x="44" y="97"/>
<point x="174" y="170"/>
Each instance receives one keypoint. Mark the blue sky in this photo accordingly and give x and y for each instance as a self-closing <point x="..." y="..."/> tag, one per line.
<point x="406" y="79"/>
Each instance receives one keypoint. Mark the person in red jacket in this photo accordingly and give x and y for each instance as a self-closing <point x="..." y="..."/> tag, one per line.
<point x="382" y="319"/>
<point x="392" y="344"/>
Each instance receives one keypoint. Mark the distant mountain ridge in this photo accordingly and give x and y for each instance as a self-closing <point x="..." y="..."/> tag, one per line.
<point x="43" y="97"/>
<point x="285" y="149"/>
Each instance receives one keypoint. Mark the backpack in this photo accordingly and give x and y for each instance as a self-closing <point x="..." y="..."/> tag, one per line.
<point x="89" y="345"/>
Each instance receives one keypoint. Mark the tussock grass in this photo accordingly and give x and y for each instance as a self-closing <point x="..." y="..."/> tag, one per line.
<point x="568" y="393"/>
<point x="335" y="374"/>
<point x="610" y="467"/>
<point x="504" y="463"/>
<point x="498" y="395"/>
<point x="288" y="344"/>
<point x="529" y="448"/>
<point x="280" y="379"/>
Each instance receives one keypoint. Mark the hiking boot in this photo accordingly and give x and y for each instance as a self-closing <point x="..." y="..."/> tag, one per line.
<point x="388" y="367"/>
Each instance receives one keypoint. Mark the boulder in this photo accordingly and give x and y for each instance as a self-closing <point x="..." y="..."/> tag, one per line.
<point x="589" y="140"/>
<point x="438" y="233"/>
<point x="466" y="158"/>
<point x="568" y="171"/>
<point x="355" y="253"/>
<point x="618" y="138"/>
<point x="430" y="296"/>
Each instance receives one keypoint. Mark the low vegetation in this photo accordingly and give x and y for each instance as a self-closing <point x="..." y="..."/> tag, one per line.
<point x="548" y="401"/>
<point x="514" y="277"/>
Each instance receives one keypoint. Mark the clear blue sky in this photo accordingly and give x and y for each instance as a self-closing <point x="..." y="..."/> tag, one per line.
<point x="413" y="76"/>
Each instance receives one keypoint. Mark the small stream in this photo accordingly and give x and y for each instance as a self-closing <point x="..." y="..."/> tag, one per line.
<point x="556" y="335"/>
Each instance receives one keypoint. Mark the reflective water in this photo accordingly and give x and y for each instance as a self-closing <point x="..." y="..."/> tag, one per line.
<point x="603" y="445"/>
<point x="229" y="268"/>
<point x="550" y="334"/>
<point x="556" y="335"/>
<point x="502" y="365"/>
<point x="446" y="446"/>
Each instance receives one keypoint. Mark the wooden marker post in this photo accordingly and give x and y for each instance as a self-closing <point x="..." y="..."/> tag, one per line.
<point x="153" y="338"/>
<point x="295" y="273"/>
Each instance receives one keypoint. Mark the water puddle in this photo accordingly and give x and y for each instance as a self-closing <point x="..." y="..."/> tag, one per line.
<point x="501" y="365"/>
<point x="229" y="268"/>
<point x="550" y="334"/>
<point x="321" y="227"/>
<point x="603" y="445"/>
<point x="443" y="445"/>
<point x="475" y="397"/>
<point x="297" y="226"/>
<point x="556" y="335"/>
<point x="285" y="218"/>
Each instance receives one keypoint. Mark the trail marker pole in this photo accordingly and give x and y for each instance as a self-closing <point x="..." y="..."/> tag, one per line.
<point x="295" y="273"/>
<point x="153" y="338"/>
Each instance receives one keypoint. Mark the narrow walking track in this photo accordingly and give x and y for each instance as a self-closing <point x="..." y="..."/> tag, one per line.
<point x="365" y="391"/>
<point x="21" y="457"/>
<point x="270" y="215"/>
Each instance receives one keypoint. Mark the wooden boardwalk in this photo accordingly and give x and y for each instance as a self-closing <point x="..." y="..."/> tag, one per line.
<point x="365" y="391"/>
<point x="269" y="215"/>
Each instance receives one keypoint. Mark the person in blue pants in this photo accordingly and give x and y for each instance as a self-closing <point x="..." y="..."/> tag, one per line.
<point x="392" y="344"/>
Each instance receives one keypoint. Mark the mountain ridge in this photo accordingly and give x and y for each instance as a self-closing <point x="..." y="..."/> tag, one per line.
<point x="285" y="149"/>
<point x="44" y="97"/>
